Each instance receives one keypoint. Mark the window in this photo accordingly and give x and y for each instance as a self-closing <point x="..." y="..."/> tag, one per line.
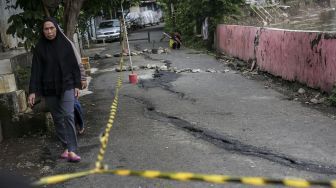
<point x="109" y="24"/>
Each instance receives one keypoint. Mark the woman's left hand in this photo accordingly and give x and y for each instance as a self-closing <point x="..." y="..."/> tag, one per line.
<point x="76" y="93"/>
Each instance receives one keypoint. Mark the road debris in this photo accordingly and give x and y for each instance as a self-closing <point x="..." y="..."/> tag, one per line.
<point x="301" y="91"/>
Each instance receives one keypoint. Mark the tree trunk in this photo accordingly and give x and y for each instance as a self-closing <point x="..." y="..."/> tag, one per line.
<point x="50" y="6"/>
<point x="71" y="13"/>
<point x="45" y="10"/>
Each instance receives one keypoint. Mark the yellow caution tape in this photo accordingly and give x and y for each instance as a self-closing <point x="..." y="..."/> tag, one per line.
<point x="62" y="178"/>
<point x="221" y="179"/>
<point x="113" y="112"/>
<point x="187" y="176"/>
<point x="109" y="125"/>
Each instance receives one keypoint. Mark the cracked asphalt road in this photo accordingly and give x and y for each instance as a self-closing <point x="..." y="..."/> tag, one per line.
<point x="199" y="122"/>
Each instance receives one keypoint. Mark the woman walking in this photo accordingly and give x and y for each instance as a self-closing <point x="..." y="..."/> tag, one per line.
<point x="55" y="75"/>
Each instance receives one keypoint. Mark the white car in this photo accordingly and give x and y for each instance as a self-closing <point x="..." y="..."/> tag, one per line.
<point x="108" y="30"/>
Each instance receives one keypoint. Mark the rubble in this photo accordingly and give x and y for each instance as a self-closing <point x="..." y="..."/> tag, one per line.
<point x="173" y="69"/>
<point x="166" y="50"/>
<point x="149" y="66"/>
<point x="45" y="170"/>
<point x="196" y="70"/>
<point x="160" y="51"/>
<point x="117" y="55"/>
<point x="301" y="91"/>
<point x="164" y="68"/>
<point x="314" y="100"/>
<point x="135" y="68"/>
<point x="183" y="70"/>
<point x="96" y="56"/>
<point x="134" y="54"/>
<point x="211" y="70"/>
<point x="322" y="100"/>
<point x="317" y="99"/>
<point x="123" y="68"/>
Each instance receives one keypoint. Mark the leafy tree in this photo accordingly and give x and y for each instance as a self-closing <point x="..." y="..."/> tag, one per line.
<point x="189" y="14"/>
<point x="26" y="25"/>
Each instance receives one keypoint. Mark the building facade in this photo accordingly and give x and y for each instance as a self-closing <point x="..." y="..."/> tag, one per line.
<point x="7" y="41"/>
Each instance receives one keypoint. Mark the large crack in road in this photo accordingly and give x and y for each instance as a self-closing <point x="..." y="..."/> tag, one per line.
<point x="228" y="143"/>
<point x="162" y="80"/>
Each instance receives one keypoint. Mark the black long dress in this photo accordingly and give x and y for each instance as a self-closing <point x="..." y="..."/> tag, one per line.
<point x="54" y="66"/>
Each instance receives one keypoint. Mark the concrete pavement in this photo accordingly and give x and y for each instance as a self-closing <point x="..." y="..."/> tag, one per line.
<point x="199" y="122"/>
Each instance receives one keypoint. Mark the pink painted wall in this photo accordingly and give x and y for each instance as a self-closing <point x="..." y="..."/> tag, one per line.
<point x="307" y="57"/>
<point x="237" y="41"/>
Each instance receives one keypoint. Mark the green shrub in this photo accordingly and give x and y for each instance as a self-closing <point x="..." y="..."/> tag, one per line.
<point x="332" y="97"/>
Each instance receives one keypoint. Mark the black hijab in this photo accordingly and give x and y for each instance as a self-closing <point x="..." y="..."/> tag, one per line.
<point x="54" y="66"/>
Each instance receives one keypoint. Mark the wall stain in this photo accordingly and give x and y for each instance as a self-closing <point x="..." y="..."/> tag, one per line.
<point x="316" y="41"/>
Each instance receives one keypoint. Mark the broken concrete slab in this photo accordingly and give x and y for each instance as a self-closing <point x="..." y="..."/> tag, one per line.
<point x="211" y="70"/>
<point x="196" y="70"/>
<point x="163" y="68"/>
<point x="314" y="101"/>
<point x="21" y="67"/>
<point x="134" y="54"/>
<point x="123" y="68"/>
<point x="301" y="91"/>
<point x="97" y="56"/>
<point x="15" y="101"/>
<point x="5" y="66"/>
<point x="7" y="83"/>
<point x="184" y="70"/>
<point x="22" y="101"/>
<point x="153" y="66"/>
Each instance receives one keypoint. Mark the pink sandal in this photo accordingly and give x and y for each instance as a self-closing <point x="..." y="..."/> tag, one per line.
<point x="65" y="154"/>
<point x="73" y="158"/>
